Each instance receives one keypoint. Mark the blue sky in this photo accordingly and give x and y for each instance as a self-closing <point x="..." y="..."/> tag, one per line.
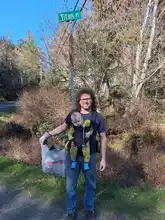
<point x="17" y="16"/>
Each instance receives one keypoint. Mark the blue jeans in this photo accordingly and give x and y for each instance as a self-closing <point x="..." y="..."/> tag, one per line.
<point x="72" y="179"/>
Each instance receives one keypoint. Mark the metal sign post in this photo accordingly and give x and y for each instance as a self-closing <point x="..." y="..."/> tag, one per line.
<point x="66" y="17"/>
<point x="71" y="66"/>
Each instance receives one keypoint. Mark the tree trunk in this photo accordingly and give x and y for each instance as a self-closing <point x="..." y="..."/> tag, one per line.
<point x="140" y="74"/>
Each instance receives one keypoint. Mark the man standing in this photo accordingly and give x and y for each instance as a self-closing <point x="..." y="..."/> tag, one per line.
<point x="86" y="106"/>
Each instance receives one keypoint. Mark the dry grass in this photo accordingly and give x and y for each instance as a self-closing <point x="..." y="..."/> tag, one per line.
<point x="151" y="154"/>
<point x="137" y="159"/>
<point x="28" y="151"/>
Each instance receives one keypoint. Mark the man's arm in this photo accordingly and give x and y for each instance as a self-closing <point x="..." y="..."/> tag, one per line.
<point x="103" y="151"/>
<point x="103" y="146"/>
<point x="55" y="131"/>
<point x="59" y="129"/>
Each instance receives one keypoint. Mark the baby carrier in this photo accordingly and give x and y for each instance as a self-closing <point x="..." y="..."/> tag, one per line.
<point x="81" y="135"/>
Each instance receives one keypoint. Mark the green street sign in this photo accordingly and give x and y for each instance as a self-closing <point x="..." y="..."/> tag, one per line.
<point x="69" y="16"/>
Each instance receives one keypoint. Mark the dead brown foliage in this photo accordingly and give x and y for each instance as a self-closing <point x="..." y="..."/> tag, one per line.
<point x="141" y="157"/>
<point x="123" y="170"/>
<point x="42" y="104"/>
<point x="151" y="154"/>
<point x="28" y="151"/>
<point x="17" y="140"/>
<point x="136" y="117"/>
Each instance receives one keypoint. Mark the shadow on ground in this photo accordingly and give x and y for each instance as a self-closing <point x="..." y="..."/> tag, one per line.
<point x="15" y="130"/>
<point x="15" y="205"/>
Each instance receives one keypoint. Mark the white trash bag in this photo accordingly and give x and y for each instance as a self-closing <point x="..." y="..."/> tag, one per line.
<point x="53" y="161"/>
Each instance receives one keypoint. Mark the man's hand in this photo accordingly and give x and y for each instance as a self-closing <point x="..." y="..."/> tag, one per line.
<point x="44" y="137"/>
<point x="102" y="165"/>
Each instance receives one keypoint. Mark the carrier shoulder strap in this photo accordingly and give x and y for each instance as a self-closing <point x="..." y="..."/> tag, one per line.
<point x="93" y="120"/>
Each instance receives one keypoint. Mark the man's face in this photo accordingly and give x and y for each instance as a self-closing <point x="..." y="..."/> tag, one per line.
<point x="85" y="101"/>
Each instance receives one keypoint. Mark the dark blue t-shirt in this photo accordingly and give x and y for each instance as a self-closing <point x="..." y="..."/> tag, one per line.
<point x="99" y="127"/>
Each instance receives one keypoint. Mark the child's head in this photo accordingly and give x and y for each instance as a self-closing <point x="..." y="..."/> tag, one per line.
<point x="77" y="119"/>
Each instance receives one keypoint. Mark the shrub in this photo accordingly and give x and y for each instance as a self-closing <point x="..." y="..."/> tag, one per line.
<point x="140" y="116"/>
<point x="42" y="109"/>
<point x="28" y="151"/>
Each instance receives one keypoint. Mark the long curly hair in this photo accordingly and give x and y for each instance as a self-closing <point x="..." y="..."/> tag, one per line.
<point x="88" y="91"/>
